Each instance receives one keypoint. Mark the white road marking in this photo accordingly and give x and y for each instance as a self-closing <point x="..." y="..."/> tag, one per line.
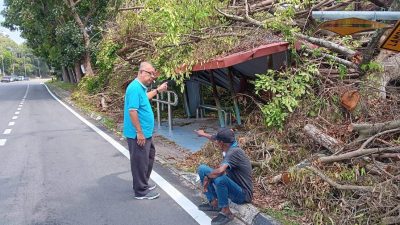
<point x="19" y="109"/>
<point x="11" y="123"/>
<point x="15" y="117"/>
<point x="20" y="105"/>
<point x="26" y="93"/>
<point x="16" y="113"/>
<point x="7" y="131"/>
<point x="3" y="142"/>
<point x="176" y="195"/>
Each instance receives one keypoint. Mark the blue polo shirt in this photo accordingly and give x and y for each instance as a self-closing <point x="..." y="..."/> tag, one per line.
<point x="136" y="99"/>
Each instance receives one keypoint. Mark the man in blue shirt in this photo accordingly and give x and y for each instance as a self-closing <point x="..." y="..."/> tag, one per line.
<point x="138" y="129"/>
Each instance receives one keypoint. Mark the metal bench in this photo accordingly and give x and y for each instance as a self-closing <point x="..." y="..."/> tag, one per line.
<point x="226" y="113"/>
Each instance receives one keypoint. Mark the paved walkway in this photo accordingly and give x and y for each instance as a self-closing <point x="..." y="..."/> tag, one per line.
<point x="183" y="132"/>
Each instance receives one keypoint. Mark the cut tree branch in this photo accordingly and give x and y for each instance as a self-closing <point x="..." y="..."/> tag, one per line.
<point x="340" y="186"/>
<point x="366" y="130"/>
<point x="379" y="3"/>
<point x="323" y="139"/>
<point x="241" y="19"/>
<point x="131" y="8"/>
<point x="357" y="153"/>
<point x="329" y="45"/>
<point x="337" y="59"/>
<point x="377" y="135"/>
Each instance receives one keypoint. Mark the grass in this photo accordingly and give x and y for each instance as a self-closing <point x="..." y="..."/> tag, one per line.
<point x="285" y="215"/>
<point x="109" y="123"/>
<point x="64" y="85"/>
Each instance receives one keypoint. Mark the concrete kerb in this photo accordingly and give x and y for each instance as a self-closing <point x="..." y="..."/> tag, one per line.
<point x="247" y="213"/>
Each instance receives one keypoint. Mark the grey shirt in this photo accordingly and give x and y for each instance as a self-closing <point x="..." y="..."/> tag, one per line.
<point x="239" y="170"/>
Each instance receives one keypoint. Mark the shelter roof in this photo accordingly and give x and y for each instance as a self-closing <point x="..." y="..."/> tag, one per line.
<point x="242" y="56"/>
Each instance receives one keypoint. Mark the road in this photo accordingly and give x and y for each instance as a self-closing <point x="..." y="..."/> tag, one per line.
<point x="55" y="169"/>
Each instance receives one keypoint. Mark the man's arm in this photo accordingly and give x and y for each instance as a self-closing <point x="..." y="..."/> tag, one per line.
<point x="214" y="174"/>
<point x="141" y="140"/>
<point x="163" y="87"/>
<point x="218" y="172"/>
<point x="202" y="133"/>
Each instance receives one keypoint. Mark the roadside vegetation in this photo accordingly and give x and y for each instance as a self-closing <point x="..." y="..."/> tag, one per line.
<point x="322" y="133"/>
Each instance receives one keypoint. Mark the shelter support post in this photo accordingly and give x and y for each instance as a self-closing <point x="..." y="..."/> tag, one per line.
<point x="186" y="104"/>
<point x="216" y="98"/>
<point x="169" y="104"/>
<point x="235" y="102"/>
<point x="169" y="112"/>
<point x="158" y="112"/>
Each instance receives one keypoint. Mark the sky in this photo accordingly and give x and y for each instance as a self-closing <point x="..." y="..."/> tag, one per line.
<point x="14" y="35"/>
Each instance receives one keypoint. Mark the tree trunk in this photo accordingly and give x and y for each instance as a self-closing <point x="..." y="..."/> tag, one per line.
<point x="357" y="153"/>
<point x="366" y="130"/>
<point x="65" y="76"/>
<point x="329" y="45"/>
<point x="72" y="77"/>
<point x="78" y="71"/>
<point x="323" y="139"/>
<point x="86" y="38"/>
<point x="378" y="3"/>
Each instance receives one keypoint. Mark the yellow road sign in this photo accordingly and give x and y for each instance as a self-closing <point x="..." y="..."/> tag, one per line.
<point x="392" y="42"/>
<point x="351" y="26"/>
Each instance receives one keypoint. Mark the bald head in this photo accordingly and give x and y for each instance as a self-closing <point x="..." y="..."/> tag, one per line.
<point x="145" y="66"/>
<point x="146" y="73"/>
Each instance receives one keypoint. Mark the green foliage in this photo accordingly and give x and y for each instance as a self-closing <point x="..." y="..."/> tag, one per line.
<point x="51" y="29"/>
<point x="342" y="71"/>
<point x="372" y="66"/>
<point x="109" y="123"/>
<point x="70" y="37"/>
<point x="106" y="55"/>
<point x="284" y="215"/>
<point x="287" y="88"/>
<point x="173" y="27"/>
<point x="63" y="85"/>
<point x="92" y="84"/>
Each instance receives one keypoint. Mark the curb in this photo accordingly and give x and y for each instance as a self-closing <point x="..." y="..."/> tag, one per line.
<point x="247" y="213"/>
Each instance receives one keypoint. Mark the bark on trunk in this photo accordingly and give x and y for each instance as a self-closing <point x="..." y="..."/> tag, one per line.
<point x="65" y="75"/>
<point x="78" y="71"/>
<point x="357" y="153"/>
<point x="71" y="74"/>
<point x="323" y="139"/>
<point x="378" y="3"/>
<point x="86" y="38"/>
<point x="329" y="45"/>
<point x="366" y="130"/>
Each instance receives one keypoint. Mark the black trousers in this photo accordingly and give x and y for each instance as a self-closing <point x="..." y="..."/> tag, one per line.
<point x="142" y="159"/>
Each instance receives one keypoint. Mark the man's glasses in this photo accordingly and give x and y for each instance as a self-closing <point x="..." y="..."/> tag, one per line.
<point x="152" y="74"/>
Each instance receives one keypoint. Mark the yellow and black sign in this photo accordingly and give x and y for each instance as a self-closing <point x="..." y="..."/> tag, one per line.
<point x="392" y="42"/>
<point x="351" y="26"/>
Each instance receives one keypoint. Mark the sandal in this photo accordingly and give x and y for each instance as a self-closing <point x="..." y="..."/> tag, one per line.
<point x="208" y="207"/>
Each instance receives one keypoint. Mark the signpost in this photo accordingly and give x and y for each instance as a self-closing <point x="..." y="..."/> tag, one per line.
<point x="392" y="42"/>
<point x="351" y="26"/>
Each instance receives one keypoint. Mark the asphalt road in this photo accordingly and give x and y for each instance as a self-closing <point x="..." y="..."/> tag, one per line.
<point x="56" y="170"/>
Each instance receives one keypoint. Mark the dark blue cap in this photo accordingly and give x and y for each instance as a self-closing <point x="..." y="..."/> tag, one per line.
<point x="225" y="135"/>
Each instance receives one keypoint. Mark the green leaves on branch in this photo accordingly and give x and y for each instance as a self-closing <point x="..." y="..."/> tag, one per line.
<point x="175" y="33"/>
<point x="106" y="55"/>
<point x="286" y="88"/>
<point x="71" y="38"/>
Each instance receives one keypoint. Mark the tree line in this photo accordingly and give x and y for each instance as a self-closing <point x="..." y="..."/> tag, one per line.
<point x="64" y="33"/>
